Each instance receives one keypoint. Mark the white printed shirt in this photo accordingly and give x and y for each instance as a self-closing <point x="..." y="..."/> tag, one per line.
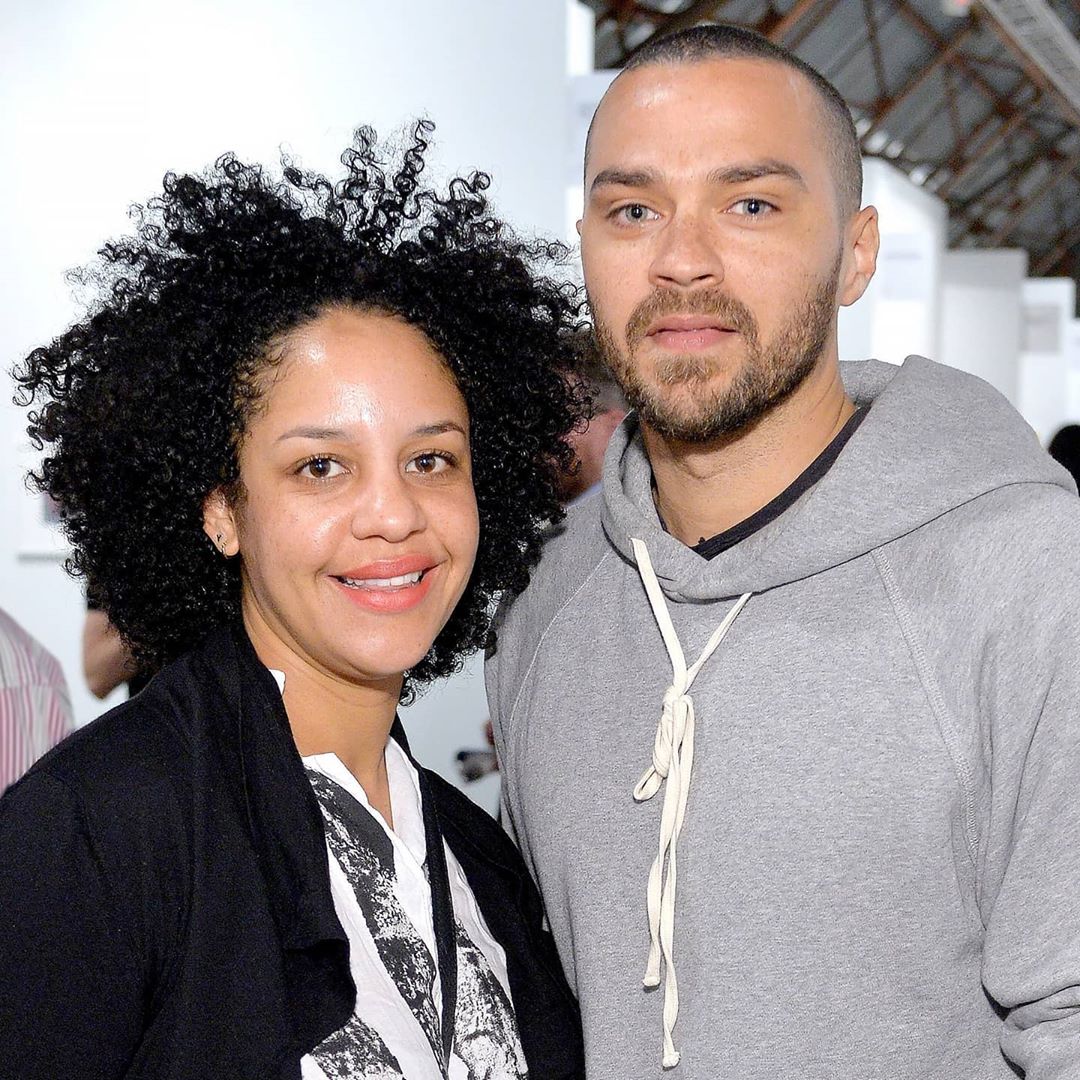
<point x="379" y="883"/>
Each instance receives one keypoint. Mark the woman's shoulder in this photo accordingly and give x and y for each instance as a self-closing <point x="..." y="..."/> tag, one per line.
<point x="120" y="773"/>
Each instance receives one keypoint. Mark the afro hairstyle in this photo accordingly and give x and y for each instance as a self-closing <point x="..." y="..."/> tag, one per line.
<point x="141" y="406"/>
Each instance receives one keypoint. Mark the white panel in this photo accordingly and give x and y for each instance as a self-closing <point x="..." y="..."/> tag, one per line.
<point x="899" y="313"/>
<point x="1049" y="305"/>
<point x="982" y="315"/>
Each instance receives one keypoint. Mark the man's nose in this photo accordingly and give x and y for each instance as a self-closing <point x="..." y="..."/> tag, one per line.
<point x="686" y="255"/>
<point x="387" y="508"/>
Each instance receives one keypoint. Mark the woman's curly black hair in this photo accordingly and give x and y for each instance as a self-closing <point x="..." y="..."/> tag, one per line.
<point x="142" y="405"/>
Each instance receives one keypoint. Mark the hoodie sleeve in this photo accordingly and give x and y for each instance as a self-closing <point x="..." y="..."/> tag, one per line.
<point x="1031" y="879"/>
<point x="994" y="591"/>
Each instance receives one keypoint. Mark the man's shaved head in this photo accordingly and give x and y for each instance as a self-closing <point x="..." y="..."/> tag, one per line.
<point x="720" y="42"/>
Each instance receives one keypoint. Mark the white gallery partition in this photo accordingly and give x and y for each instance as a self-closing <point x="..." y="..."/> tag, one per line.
<point x="900" y="311"/>
<point x="982" y="315"/>
<point x="100" y="99"/>
<point x="1049" y="308"/>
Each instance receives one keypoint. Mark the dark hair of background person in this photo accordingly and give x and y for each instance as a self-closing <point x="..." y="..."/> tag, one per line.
<point x="720" y="42"/>
<point x="1064" y="448"/>
<point x="143" y="404"/>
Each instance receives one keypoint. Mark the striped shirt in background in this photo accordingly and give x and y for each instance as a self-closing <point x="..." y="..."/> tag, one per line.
<point x="35" y="711"/>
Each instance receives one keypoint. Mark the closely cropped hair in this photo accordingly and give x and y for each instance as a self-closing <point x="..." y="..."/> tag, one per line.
<point x="142" y="405"/>
<point x="720" y="41"/>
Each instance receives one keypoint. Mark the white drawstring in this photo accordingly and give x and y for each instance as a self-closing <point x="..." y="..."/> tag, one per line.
<point x="673" y="760"/>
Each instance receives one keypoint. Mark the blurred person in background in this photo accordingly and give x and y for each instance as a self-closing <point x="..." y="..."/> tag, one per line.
<point x="580" y="479"/>
<point x="306" y="438"/>
<point x="35" y="711"/>
<point x="1064" y="448"/>
<point x="107" y="661"/>
<point x="787" y="717"/>
<point x="589" y="440"/>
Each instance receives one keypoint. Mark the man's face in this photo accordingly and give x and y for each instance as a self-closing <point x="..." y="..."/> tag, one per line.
<point x="712" y="241"/>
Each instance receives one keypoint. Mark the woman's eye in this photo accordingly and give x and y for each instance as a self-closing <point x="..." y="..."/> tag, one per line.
<point x="321" y="468"/>
<point x="429" y="463"/>
<point x="753" y="207"/>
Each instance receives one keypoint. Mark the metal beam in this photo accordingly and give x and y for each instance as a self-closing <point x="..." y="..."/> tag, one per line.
<point x="977" y="78"/>
<point x="698" y="11"/>
<point x="1055" y="174"/>
<point x="1042" y="46"/>
<point x="988" y="147"/>
<point x="1064" y="242"/>
<point x="888" y="105"/>
<point x="776" y="27"/>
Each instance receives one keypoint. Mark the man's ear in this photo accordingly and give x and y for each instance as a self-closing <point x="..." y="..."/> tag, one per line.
<point x="861" y="243"/>
<point x="219" y="523"/>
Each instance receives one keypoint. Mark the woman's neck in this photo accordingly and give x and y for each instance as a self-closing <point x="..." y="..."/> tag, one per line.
<point x="330" y="714"/>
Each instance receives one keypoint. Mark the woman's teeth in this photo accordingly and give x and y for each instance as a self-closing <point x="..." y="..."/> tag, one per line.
<point x="383" y="583"/>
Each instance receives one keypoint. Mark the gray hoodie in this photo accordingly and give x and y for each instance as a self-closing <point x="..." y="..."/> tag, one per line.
<point x="878" y="870"/>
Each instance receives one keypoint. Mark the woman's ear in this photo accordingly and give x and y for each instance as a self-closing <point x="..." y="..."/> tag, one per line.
<point x="219" y="523"/>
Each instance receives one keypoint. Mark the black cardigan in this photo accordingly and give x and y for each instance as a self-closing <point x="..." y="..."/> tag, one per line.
<point x="165" y="906"/>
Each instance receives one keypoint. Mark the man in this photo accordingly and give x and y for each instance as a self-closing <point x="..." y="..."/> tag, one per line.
<point x="836" y="605"/>
<point x="35" y="711"/>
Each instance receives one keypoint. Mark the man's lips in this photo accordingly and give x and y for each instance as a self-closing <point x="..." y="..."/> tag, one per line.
<point x="684" y="324"/>
<point x="687" y="333"/>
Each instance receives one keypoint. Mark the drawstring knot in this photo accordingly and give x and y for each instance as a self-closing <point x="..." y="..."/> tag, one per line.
<point x="672" y="762"/>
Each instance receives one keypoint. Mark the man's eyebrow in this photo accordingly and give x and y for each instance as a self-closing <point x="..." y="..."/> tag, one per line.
<point x="616" y="177"/>
<point x="727" y="174"/>
<point x="756" y="170"/>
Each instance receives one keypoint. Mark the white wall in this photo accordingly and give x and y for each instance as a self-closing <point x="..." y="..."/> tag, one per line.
<point x="99" y="100"/>
<point x="899" y="313"/>
<point x="982" y="315"/>
<point x="1072" y="349"/>
<point x="1049" y="305"/>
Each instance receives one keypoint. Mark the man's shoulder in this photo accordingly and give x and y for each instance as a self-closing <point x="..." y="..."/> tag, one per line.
<point x="1018" y="544"/>
<point x="572" y="553"/>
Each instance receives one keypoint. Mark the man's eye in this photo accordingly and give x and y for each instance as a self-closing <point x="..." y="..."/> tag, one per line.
<point x="634" y="213"/>
<point x="321" y="468"/>
<point x="431" y="462"/>
<point x="753" y="207"/>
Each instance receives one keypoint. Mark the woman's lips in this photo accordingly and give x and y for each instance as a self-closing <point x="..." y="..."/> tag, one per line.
<point x="390" y="586"/>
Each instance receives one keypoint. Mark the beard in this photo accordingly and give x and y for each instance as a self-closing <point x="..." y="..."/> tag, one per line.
<point x="679" y="403"/>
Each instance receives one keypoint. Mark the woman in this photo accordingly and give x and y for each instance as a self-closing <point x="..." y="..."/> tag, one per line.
<point x="307" y="437"/>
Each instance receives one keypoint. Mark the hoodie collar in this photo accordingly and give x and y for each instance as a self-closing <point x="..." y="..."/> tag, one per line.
<point x="934" y="439"/>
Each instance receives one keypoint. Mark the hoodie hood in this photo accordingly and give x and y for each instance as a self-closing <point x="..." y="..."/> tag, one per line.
<point x="963" y="437"/>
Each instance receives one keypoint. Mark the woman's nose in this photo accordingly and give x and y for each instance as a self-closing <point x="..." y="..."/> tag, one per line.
<point x="387" y="508"/>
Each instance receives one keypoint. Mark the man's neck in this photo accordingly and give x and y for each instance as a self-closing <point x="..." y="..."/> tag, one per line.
<point x="705" y="489"/>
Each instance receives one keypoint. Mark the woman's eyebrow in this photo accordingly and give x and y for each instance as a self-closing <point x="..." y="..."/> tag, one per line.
<point x="440" y="427"/>
<point x="325" y="434"/>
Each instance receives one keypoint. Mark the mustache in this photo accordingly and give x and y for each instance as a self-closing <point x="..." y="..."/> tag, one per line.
<point x="709" y="301"/>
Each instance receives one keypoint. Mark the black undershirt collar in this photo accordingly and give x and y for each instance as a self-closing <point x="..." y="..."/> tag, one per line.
<point x="712" y="546"/>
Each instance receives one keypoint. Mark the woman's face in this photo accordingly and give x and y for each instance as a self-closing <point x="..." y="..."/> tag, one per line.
<point x="358" y="527"/>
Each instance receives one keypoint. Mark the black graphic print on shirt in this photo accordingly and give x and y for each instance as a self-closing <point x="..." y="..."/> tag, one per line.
<point x="366" y="856"/>
<point x="485" y="1029"/>
<point x="356" y="1050"/>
